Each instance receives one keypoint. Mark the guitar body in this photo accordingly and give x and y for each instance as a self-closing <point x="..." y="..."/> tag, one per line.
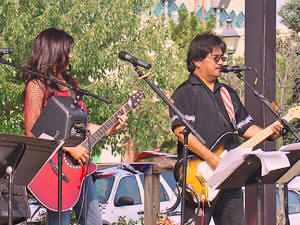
<point x="198" y="172"/>
<point x="44" y="186"/>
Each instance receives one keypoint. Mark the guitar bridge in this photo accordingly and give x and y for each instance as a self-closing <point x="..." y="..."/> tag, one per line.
<point x="201" y="179"/>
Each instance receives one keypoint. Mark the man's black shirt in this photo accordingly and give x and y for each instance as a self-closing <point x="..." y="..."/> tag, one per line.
<point x="205" y="111"/>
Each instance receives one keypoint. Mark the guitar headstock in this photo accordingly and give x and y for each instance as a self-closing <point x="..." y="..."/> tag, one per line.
<point x="135" y="98"/>
<point x="294" y="113"/>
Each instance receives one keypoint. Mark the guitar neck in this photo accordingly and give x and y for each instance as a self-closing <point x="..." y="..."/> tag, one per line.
<point x="258" y="138"/>
<point x="106" y="126"/>
<point x="262" y="135"/>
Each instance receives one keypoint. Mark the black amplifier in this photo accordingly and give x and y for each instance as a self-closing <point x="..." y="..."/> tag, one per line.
<point x="62" y="119"/>
<point x="21" y="210"/>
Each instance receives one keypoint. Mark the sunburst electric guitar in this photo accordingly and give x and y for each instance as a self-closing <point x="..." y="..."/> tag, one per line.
<point x="198" y="171"/>
<point x="44" y="185"/>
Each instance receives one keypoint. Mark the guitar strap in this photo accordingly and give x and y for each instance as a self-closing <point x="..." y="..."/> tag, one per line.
<point x="228" y="105"/>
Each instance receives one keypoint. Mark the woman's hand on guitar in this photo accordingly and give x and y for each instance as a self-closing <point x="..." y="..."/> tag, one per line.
<point x="79" y="153"/>
<point x="121" y="122"/>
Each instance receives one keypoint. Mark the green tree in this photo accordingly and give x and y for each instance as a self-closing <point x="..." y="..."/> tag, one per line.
<point x="287" y="73"/>
<point x="289" y="14"/>
<point x="188" y="27"/>
<point x="101" y="29"/>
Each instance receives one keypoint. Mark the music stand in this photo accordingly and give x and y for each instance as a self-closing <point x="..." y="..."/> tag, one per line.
<point x="249" y="172"/>
<point x="21" y="158"/>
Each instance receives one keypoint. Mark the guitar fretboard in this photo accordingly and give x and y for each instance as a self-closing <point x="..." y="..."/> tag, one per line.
<point x="262" y="135"/>
<point x="106" y="126"/>
<point x="258" y="138"/>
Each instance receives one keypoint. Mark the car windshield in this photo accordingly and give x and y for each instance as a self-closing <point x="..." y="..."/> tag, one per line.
<point x="104" y="187"/>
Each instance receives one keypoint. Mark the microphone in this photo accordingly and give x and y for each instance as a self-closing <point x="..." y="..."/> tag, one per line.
<point x="135" y="61"/>
<point x="227" y="69"/>
<point x="6" y="51"/>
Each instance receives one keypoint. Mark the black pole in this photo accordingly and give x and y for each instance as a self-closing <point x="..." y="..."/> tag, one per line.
<point x="59" y="162"/>
<point x="185" y="133"/>
<point x="9" y="172"/>
<point x="167" y="101"/>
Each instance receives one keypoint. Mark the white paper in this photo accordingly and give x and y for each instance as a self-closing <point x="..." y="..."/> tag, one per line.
<point x="46" y="136"/>
<point x="290" y="147"/>
<point x="271" y="160"/>
<point x="227" y="165"/>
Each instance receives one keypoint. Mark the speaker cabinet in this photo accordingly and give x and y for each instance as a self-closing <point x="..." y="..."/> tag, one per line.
<point x="62" y="119"/>
<point x="21" y="210"/>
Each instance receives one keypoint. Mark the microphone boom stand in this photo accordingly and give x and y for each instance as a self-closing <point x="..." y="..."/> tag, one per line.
<point x="185" y="133"/>
<point x="80" y="93"/>
<point x="77" y="90"/>
<point x="269" y="105"/>
<point x="286" y="125"/>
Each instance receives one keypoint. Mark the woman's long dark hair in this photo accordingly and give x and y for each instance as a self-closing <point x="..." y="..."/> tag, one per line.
<point x="49" y="56"/>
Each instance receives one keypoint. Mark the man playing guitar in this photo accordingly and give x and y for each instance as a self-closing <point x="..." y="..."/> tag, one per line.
<point x="213" y="109"/>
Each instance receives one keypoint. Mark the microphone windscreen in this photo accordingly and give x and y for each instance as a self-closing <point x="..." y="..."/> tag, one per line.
<point x="122" y="55"/>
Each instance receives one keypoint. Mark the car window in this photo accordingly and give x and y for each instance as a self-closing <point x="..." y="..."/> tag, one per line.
<point x="128" y="187"/>
<point x="294" y="202"/>
<point x="163" y="193"/>
<point x="169" y="178"/>
<point x="104" y="187"/>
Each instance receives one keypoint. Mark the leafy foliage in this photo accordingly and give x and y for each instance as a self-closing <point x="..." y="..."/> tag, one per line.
<point x="101" y="29"/>
<point x="188" y="27"/>
<point x="289" y="14"/>
<point x="287" y="67"/>
<point x="122" y="221"/>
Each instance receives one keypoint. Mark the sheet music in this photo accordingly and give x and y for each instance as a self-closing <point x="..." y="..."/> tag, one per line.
<point x="290" y="147"/>
<point x="270" y="160"/>
<point x="232" y="160"/>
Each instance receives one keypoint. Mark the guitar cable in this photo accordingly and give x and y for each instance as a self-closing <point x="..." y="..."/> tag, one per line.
<point x="198" y="207"/>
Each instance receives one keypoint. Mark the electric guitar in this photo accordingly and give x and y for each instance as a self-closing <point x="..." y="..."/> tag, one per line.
<point x="198" y="171"/>
<point x="44" y="186"/>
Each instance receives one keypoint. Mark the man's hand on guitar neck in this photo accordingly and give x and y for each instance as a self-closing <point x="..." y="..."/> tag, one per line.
<point x="254" y="129"/>
<point x="276" y="128"/>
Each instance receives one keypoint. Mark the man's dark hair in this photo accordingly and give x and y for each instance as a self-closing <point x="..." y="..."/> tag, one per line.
<point x="201" y="46"/>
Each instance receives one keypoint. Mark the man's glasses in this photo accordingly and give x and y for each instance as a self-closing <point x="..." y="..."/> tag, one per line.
<point x="217" y="58"/>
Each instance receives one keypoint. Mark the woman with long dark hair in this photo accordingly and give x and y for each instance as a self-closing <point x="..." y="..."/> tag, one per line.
<point x="50" y="56"/>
